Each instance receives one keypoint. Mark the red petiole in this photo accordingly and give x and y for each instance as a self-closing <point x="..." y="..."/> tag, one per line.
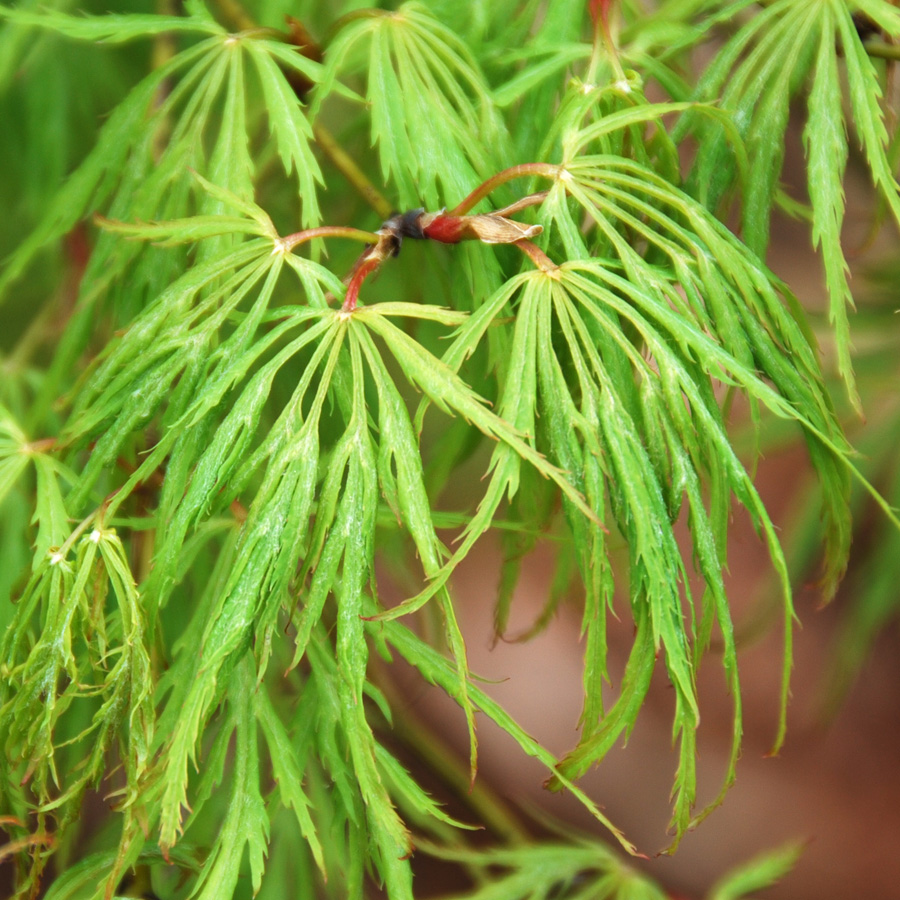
<point x="445" y="227"/>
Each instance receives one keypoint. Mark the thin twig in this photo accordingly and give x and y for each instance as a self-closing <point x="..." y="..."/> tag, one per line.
<point x="882" y="50"/>
<point x="542" y="170"/>
<point x="309" y="234"/>
<point x="345" y="164"/>
<point x="538" y="257"/>
<point x="387" y="245"/>
<point x="235" y="16"/>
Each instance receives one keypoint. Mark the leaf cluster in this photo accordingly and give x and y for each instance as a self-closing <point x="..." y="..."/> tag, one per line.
<point x="206" y="474"/>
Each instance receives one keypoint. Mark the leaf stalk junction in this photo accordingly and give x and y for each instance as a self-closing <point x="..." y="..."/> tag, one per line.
<point x="445" y="227"/>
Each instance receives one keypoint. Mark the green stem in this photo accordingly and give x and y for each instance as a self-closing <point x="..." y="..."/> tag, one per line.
<point x="235" y="16"/>
<point x="882" y="50"/>
<point x="164" y="43"/>
<point x="80" y="529"/>
<point x="542" y="170"/>
<point x="596" y="53"/>
<point x="345" y="164"/>
<point x="164" y="48"/>
<point x="36" y="334"/>
<point x="613" y="53"/>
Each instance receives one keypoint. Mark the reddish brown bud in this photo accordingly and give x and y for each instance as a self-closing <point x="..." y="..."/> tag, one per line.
<point x="489" y="229"/>
<point x="446" y="229"/>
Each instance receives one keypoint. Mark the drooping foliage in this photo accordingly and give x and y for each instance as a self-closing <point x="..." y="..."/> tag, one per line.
<point x="215" y="428"/>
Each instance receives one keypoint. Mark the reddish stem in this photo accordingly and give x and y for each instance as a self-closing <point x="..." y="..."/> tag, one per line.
<point x="600" y="10"/>
<point x="537" y="256"/>
<point x="542" y="170"/>
<point x="359" y="276"/>
<point x="40" y="446"/>
<point x="354" y="234"/>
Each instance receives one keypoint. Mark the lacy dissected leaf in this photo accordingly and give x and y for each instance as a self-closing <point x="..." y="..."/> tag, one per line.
<point x="84" y="686"/>
<point x="219" y="465"/>
<point x="275" y="535"/>
<point x="571" y="869"/>
<point x="246" y="820"/>
<point x="432" y="116"/>
<point x="620" y="375"/>
<point x="871" y="582"/>
<point x="13" y="451"/>
<point x="671" y="247"/>
<point x="607" y="453"/>
<point x="80" y="880"/>
<point x="56" y="116"/>
<point x="782" y="49"/>
<point x="757" y="874"/>
<point x="189" y="113"/>
<point x="438" y="670"/>
<point x="490" y="23"/>
<point x="868" y="597"/>
<point x="651" y="43"/>
<point x="308" y="490"/>
<point x="578" y="867"/>
<point x="111" y="28"/>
